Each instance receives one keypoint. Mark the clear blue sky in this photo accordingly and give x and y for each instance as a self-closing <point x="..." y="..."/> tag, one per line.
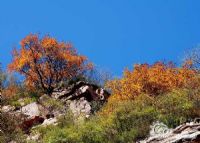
<point x="114" y="34"/>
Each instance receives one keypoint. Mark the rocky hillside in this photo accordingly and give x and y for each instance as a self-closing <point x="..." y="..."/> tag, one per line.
<point x="76" y="98"/>
<point x="152" y="103"/>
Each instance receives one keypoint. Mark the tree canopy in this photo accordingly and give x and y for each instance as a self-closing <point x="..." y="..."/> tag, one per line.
<point x="45" y="62"/>
<point x="151" y="79"/>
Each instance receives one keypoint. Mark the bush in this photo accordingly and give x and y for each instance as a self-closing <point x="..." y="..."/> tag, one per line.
<point x="64" y="132"/>
<point x="174" y="107"/>
<point x="194" y="95"/>
<point x="51" y="103"/>
<point x="133" y="118"/>
<point x="27" y="97"/>
<point x="9" y="130"/>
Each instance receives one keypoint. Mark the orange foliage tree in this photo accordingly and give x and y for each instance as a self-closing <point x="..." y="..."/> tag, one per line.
<point x="151" y="79"/>
<point x="45" y="62"/>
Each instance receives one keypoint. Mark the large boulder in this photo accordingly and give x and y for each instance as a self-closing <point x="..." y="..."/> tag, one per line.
<point x="80" y="107"/>
<point x="31" y="110"/>
<point x="50" y="121"/>
<point x="7" y="108"/>
<point x="80" y="95"/>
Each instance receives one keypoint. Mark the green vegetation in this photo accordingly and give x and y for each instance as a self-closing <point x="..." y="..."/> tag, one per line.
<point x="129" y="122"/>
<point x="9" y="130"/>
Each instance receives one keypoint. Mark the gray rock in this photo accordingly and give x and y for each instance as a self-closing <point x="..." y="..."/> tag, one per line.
<point x="159" y="128"/>
<point x="187" y="132"/>
<point x="81" y="106"/>
<point x="50" y="121"/>
<point x="34" y="137"/>
<point x="7" y="108"/>
<point x="31" y="110"/>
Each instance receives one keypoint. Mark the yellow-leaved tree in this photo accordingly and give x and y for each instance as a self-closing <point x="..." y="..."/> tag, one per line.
<point x="45" y="62"/>
<point x="151" y="79"/>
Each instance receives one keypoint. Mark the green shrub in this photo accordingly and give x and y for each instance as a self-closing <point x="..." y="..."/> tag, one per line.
<point x="174" y="107"/>
<point x="27" y="97"/>
<point x="130" y="120"/>
<point x="134" y="118"/>
<point x="194" y="96"/>
<point x="51" y="103"/>
<point x="9" y="130"/>
<point x="66" y="120"/>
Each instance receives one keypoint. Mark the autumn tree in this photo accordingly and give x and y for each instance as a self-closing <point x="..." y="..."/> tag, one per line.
<point x="45" y="62"/>
<point x="151" y="79"/>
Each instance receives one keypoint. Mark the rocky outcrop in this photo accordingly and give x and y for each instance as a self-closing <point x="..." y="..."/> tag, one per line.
<point x="77" y="98"/>
<point x="81" y="106"/>
<point x="31" y="110"/>
<point x="81" y="89"/>
<point x="185" y="133"/>
<point x="7" y="108"/>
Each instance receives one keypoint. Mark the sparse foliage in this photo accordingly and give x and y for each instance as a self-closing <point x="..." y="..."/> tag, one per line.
<point x="12" y="86"/>
<point x="9" y="130"/>
<point x="98" y="76"/>
<point x="192" y="58"/>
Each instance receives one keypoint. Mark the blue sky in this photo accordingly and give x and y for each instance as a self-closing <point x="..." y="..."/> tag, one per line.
<point x="114" y="34"/>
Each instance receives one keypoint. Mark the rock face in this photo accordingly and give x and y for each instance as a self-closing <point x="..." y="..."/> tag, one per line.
<point x="31" y="110"/>
<point x="80" y="95"/>
<point x="81" y="89"/>
<point x="7" y="108"/>
<point x="185" y="133"/>
<point x="81" y="106"/>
